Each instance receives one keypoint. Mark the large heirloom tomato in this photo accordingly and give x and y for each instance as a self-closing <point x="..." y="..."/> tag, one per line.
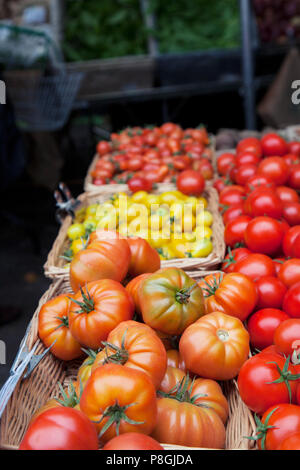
<point x="234" y="294"/>
<point x="144" y="258"/>
<point x="207" y="392"/>
<point x="267" y="379"/>
<point x="215" y="347"/>
<point x="170" y="301"/>
<point x="60" y="428"/>
<point x="119" y="400"/>
<point x="107" y="257"/>
<point x="137" y="346"/>
<point x="132" y="441"/>
<point x="54" y="329"/>
<point x="278" y="423"/>
<point x="97" y="309"/>
<point x="183" y="421"/>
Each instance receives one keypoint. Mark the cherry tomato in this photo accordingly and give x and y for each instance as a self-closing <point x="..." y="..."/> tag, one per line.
<point x="289" y="272"/>
<point x="246" y="158"/>
<point x="233" y="257"/>
<point x="274" y="144"/>
<point x="190" y="182"/>
<point x="286" y="194"/>
<point x="287" y="336"/>
<point x="264" y="235"/>
<point x="232" y="195"/>
<point x="256" y="266"/>
<point x="294" y="147"/>
<point x="274" y="168"/>
<point x="291" y="301"/>
<point x="262" y="326"/>
<point x="139" y="184"/>
<point x="235" y="230"/>
<point x="271" y="292"/>
<point x="232" y="213"/>
<point x="291" y="213"/>
<point x="225" y="162"/>
<point x="294" y="177"/>
<point x="244" y="173"/>
<point x="263" y="201"/>
<point x="250" y="144"/>
<point x="259" y="181"/>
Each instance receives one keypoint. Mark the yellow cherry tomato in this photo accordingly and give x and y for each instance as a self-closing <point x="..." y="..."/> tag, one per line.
<point x="205" y="218"/>
<point x="201" y="248"/>
<point x="169" y="197"/>
<point x="76" y="231"/>
<point x="203" y="232"/>
<point x="78" y="245"/>
<point x="202" y="202"/>
<point x="91" y="210"/>
<point x="140" y="197"/>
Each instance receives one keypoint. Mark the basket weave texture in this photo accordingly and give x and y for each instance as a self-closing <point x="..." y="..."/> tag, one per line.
<point x="34" y="391"/>
<point x="54" y="266"/>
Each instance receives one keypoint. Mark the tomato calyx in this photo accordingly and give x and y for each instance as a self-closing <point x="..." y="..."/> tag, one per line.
<point x="88" y="303"/>
<point x="119" y="356"/>
<point x="230" y="260"/>
<point x="223" y="335"/>
<point x="183" y="296"/>
<point x="210" y="289"/>
<point x="91" y="356"/>
<point x="115" y="414"/>
<point x="182" y="392"/>
<point x="69" y="399"/>
<point x="64" y="322"/>
<point x="262" y="429"/>
<point x="285" y="376"/>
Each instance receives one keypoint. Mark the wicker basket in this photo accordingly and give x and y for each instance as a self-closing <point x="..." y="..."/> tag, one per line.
<point x="54" y="266"/>
<point x="33" y="392"/>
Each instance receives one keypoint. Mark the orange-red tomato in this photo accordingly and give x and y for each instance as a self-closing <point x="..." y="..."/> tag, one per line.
<point x="107" y="257"/>
<point x="132" y="441"/>
<point x="54" y="329"/>
<point x="132" y="288"/>
<point x="144" y="258"/>
<point x="234" y="294"/>
<point x="215" y="347"/>
<point x="208" y="392"/>
<point x="136" y="346"/>
<point x="174" y="359"/>
<point x="97" y="309"/>
<point x="119" y="400"/>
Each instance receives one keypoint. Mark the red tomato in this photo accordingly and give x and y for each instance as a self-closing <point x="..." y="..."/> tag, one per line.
<point x="291" y="213"/>
<point x="235" y="230"/>
<point x="132" y="441"/>
<point x="291" y="301"/>
<point x="104" y="147"/>
<point x="294" y="147"/>
<point x="259" y="181"/>
<point x="60" y="428"/>
<point x="271" y="292"/>
<point x="274" y="144"/>
<point x="274" y="168"/>
<point x="291" y="159"/>
<point x="289" y="239"/>
<point x="232" y="195"/>
<point x="250" y="144"/>
<point x="264" y="235"/>
<point x="191" y="182"/>
<point x="286" y="194"/>
<point x="244" y="173"/>
<point x="278" y="424"/>
<point x="263" y="201"/>
<point x="289" y="273"/>
<point x="138" y="183"/>
<point x="232" y="213"/>
<point x="221" y="184"/>
<point x="246" y="158"/>
<point x="258" y="382"/>
<point x="262" y="326"/>
<point x="294" y="177"/>
<point x="290" y="443"/>
<point x="233" y="257"/>
<point x="278" y="262"/>
<point x="287" y="336"/>
<point x="225" y="162"/>
<point x="256" y="266"/>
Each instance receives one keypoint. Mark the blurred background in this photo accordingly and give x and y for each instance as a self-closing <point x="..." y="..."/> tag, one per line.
<point x="76" y="70"/>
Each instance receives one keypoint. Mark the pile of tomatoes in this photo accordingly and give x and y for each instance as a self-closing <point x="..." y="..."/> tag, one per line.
<point x="152" y="351"/>
<point x="258" y="193"/>
<point x="142" y="157"/>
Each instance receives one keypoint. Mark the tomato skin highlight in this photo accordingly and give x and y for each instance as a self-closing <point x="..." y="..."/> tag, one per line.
<point x="60" y="428"/>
